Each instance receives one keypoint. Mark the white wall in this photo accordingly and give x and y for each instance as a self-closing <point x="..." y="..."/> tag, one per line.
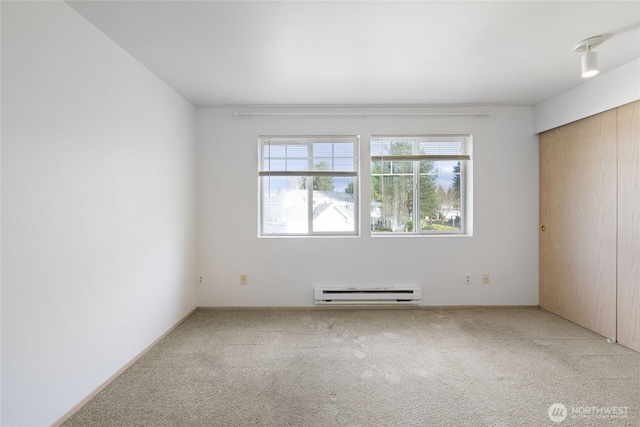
<point x="98" y="210"/>
<point x="605" y="92"/>
<point x="283" y="272"/>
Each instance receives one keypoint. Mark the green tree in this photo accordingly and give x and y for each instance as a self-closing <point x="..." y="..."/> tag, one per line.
<point x="392" y="184"/>
<point x="323" y="183"/>
<point x="376" y="182"/>
<point x="429" y="200"/>
<point x="454" y="191"/>
<point x="320" y="183"/>
<point x="397" y="186"/>
<point x="349" y="188"/>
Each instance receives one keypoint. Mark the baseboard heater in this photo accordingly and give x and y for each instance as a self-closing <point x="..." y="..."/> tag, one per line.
<point x="368" y="296"/>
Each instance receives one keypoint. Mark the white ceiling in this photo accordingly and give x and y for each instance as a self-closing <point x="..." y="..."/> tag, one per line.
<point x="367" y="52"/>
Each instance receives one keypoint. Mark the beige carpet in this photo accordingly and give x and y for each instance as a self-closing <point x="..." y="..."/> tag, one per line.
<point x="406" y="367"/>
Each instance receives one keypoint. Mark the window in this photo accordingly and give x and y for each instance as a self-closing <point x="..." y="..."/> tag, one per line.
<point x="308" y="185"/>
<point x="418" y="183"/>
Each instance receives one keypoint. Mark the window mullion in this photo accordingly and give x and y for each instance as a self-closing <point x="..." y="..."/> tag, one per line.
<point x="416" y="186"/>
<point x="463" y="196"/>
<point x="310" y="188"/>
<point x="416" y="196"/>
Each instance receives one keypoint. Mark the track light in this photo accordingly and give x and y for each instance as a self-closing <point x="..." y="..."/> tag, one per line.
<point x="589" y="58"/>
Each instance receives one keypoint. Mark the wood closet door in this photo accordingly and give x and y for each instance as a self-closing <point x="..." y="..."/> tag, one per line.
<point x="578" y="210"/>
<point x="629" y="225"/>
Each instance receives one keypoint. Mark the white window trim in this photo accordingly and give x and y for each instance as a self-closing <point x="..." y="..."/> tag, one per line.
<point x="464" y="156"/>
<point x="310" y="174"/>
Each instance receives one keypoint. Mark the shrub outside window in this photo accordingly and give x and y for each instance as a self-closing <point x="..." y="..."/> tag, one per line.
<point x="308" y="185"/>
<point x="418" y="184"/>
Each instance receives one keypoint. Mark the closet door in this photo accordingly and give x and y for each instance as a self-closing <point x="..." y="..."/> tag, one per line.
<point x="578" y="212"/>
<point x="629" y="225"/>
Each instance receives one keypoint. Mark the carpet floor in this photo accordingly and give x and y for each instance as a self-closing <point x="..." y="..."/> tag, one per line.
<point x="476" y="366"/>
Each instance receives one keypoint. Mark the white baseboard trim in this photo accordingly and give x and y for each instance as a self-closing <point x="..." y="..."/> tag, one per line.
<point x="101" y="387"/>
<point x="361" y="307"/>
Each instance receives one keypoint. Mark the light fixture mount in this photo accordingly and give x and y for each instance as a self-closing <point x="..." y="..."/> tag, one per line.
<point x="587" y="44"/>
<point x="589" y="57"/>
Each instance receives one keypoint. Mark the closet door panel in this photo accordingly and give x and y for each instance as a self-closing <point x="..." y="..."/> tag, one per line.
<point x="629" y="225"/>
<point x="578" y="215"/>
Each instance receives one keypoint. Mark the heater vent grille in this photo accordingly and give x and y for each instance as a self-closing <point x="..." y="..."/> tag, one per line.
<point x="400" y="296"/>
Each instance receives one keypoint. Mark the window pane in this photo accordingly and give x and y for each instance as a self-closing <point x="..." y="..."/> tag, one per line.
<point x="378" y="148"/>
<point x="284" y="205"/>
<point x="334" y="210"/>
<point x="392" y="146"/>
<point x="338" y="156"/>
<point x="272" y="150"/>
<point x="344" y="150"/>
<point x="440" y="203"/>
<point x="296" y="165"/>
<point x="297" y="150"/>
<point x="322" y="149"/>
<point x="442" y="148"/>
<point x="280" y="157"/>
<point x="343" y="164"/>
<point x="322" y="164"/>
<point x="392" y="203"/>
<point x="401" y="147"/>
<point x="401" y="167"/>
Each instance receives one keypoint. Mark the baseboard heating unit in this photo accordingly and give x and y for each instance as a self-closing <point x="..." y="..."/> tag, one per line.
<point x="367" y="296"/>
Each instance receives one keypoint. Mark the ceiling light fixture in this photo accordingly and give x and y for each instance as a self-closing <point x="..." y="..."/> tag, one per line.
<point x="589" y="58"/>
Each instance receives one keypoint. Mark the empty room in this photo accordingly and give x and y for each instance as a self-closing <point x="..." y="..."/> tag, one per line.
<point x="320" y="213"/>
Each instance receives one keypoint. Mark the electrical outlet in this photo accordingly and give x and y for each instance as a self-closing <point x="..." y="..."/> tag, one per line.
<point x="486" y="278"/>
<point x="243" y="279"/>
<point x="201" y="280"/>
<point x="467" y="279"/>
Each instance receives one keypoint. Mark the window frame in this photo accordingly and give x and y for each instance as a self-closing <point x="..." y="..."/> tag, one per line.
<point x="463" y="155"/>
<point x="308" y="173"/>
